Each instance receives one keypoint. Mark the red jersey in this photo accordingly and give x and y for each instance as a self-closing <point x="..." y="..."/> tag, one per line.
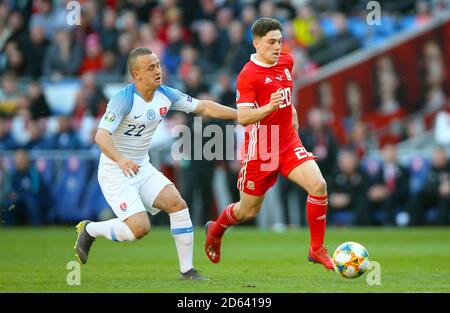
<point x="255" y="84"/>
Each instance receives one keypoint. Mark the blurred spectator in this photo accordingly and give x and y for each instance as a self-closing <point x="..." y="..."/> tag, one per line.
<point x="360" y="140"/>
<point x="35" y="52"/>
<point x="306" y="27"/>
<point x="318" y="139"/>
<point x="210" y="53"/>
<point x="326" y="100"/>
<point x="125" y="47"/>
<point x="18" y="30"/>
<point x="9" y="93"/>
<point x="108" y="32"/>
<point x="432" y="71"/>
<point x="36" y="139"/>
<point x="347" y="200"/>
<point x="389" y="112"/>
<point x="224" y="18"/>
<point x="194" y="82"/>
<point x="389" y="189"/>
<point x="248" y="17"/>
<point x="423" y="14"/>
<point x="66" y="137"/>
<point x="189" y="56"/>
<point x="93" y="59"/>
<point x="20" y="123"/>
<point x="111" y="67"/>
<point x="355" y="106"/>
<point x="239" y="50"/>
<point x="172" y="54"/>
<point x="338" y="44"/>
<point x="90" y="99"/>
<point x="435" y="193"/>
<point x="15" y="61"/>
<point x="64" y="56"/>
<point x="39" y="107"/>
<point x="49" y="18"/>
<point x="23" y="204"/>
<point x="6" y="140"/>
<point x="198" y="175"/>
<point x="226" y="95"/>
<point x="148" y="40"/>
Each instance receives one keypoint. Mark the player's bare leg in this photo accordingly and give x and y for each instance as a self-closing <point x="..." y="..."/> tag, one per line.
<point x="170" y="201"/>
<point x="308" y="176"/>
<point x="247" y="208"/>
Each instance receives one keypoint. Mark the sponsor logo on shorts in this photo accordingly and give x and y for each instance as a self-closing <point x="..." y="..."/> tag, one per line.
<point x="250" y="185"/>
<point x="238" y="95"/>
<point x="151" y="114"/>
<point x="123" y="206"/>
<point x="110" y="116"/>
<point x="189" y="98"/>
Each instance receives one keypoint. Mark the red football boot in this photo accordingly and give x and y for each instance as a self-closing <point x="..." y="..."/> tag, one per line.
<point x="321" y="256"/>
<point x="212" y="244"/>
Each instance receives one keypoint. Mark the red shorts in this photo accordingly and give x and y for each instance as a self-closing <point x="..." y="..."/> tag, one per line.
<point x="257" y="176"/>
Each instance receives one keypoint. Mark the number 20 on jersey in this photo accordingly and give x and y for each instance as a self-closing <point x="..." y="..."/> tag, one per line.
<point x="287" y="97"/>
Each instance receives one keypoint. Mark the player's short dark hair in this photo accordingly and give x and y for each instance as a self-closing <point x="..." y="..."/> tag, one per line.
<point x="134" y="54"/>
<point x="264" y="25"/>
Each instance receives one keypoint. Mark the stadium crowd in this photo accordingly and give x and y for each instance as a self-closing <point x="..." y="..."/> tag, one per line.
<point x="202" y="45"/>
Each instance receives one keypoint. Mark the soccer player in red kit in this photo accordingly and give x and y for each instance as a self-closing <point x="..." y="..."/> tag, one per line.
<point x="272" y="144"/>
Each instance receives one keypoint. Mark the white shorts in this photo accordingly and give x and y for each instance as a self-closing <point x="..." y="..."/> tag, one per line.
<point x="130" y="195"/>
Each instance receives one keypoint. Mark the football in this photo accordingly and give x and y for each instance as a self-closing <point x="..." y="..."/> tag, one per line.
<point x="351" y="259"/>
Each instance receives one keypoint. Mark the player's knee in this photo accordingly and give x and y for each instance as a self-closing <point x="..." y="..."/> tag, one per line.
<point x="250" y="214"/>
<point x="178" y="205"/>
<point x="319" y="188"/>
<point x="140" y="230"/>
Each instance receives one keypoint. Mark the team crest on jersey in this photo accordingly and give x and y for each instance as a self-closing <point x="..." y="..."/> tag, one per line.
<point x="250" y="185"/>
<point x="163" y="111"/>
<point x="110" y="116"/>
<point x="238" y="95"/>
<point x="151" y="114"/>
<point x="288" y="74"/>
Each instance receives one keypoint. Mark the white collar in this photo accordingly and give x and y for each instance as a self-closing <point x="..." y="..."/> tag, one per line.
<point x="257" y="62"/>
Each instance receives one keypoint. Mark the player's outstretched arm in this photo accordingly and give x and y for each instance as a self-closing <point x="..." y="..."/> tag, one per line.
<point x="215" y="110"/>
<point x="104" y="140"/>
<point x="248" y="115"/>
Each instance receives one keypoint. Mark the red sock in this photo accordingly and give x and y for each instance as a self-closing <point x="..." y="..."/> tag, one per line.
<point x="316" y="209"/>
<point x="225" y="220"/>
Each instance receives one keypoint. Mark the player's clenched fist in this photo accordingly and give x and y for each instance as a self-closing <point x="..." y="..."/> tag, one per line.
<point x="129" y="168"/>
<point x="276" y="99"/>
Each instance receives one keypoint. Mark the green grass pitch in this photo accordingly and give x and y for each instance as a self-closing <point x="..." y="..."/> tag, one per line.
<point x="35" y="260"/>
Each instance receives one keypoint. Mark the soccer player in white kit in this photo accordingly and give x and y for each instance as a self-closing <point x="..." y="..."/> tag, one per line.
<point x="131" y="185"/>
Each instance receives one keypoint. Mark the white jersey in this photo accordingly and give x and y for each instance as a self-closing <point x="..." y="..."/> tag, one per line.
<point x="132" y="121"/>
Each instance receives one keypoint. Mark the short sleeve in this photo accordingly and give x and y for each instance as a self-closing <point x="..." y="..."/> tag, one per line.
<point x="180" y="101"/>
<point x="245" y="91"/>
<point x="118" y="107"/>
